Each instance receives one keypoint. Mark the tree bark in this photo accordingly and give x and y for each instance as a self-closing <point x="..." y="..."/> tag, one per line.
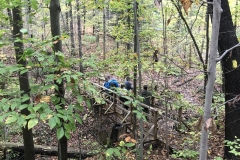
<point x="23" y="81"/>
<point x="231" y="76"/>
<point x="55" y="29"/>
<point x="104" y="31"/>
<point x="71" y="30"/>
<point x="211" y="79"/>
<point x="79" y="34"/>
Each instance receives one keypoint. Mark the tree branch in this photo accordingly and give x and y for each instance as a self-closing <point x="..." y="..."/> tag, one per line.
<point x="228" y="50"/>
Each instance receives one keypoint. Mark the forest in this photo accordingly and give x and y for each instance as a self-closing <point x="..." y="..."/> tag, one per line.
<point x="119" y="79"/>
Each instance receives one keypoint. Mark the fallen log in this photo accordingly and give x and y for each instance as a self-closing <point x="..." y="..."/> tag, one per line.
<point x="46" y="150"/>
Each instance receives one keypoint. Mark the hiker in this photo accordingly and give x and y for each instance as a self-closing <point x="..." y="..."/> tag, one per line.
<point x="113" y="83"/>
<point x="147" y="98"/>
<point x="128" y="84"/>
<point x="122" y="99"/>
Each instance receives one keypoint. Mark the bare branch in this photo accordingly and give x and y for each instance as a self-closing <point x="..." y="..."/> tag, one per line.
<point x="228" y="50"/>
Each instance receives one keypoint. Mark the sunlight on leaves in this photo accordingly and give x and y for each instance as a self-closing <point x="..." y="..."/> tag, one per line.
<point x="46" y="99"/>
<point x="32" y="123"/>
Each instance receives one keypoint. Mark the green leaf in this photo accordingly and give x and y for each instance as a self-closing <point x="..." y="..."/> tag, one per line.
<point x="80" y="98"/>
<point x="32" y="123"/>
<point x="67" y="134"/>
<point x="117" y="152"/>
<point x="67" y="127"/>
<point x="37" y="107"/>
<point x="109" y="152"/>
<point x="79" y="120"/>
<point x="129" y="144"/>
<point x="34" y="4"/>
<point x="60" y="132"/>
<point x="43" y="116"/>
<point x="78" y="106"/>
<point x="24" y="31"/>
<point x="57" y="120"/>
<point x="48" y="86"/>
<point x="21" y="121"/>
<point x="11" y="119"/>
<point x="25" y="98"/>
<point x="52" y="123"/>
<point x="6" y="107"/>
<point x="127" y="102"/>
<point x="23" y="71"/>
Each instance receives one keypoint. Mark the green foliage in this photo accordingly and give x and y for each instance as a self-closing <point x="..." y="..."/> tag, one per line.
<point x="120" y="151"/>
<point x="186" y="154"/>
<point x="45" y="105"/>
<point x="234" y="146"/>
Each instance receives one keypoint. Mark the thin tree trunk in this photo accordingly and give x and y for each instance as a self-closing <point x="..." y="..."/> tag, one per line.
<point x="137" y="51"/>
<point x="71" y="30"/>
<point x="79" y="34"/>
<point x="67" y="21"/>
<point x="207" y="42"/>
<point x="84" y="19"/>
<point x="104" y="31"/>
<point x="211" y="79"/>
<point x="55" y="29"/>
<point x="23" y="81"/>
<point x="165" y="79"/>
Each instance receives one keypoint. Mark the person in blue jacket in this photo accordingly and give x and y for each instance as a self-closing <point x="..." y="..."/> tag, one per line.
<point x="113" y="83"/>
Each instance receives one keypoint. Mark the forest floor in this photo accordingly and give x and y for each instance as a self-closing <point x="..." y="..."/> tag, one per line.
<point x="186" y="141"/>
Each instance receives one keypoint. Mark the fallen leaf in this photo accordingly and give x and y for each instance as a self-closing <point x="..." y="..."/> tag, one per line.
<point x="37" y="98"/>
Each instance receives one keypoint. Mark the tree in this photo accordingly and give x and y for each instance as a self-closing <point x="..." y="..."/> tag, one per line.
<point x="71" y="29"/>
<point x="231" y="76"/>
<point x="211" y="79"/>
<point x="55" y="29"/>
<point x="79" y="34"/>
<point x="23" y="81"/>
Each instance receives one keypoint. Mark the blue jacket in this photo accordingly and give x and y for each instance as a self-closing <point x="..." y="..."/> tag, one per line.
<point x="113" y="83"/>
<point x="106" y="85"/>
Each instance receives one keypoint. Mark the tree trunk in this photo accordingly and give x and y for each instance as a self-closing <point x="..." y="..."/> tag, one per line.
<point x="84" y="19"/>
<point x="71" y="30"/>
<point x="137" y="51"/>
<point x="104" y="31"/>
<point x="55" y="29"/>
<point x="67" y="21"/>
<point x="79" y="34"/>
<point x="231" y="75"/>
<point x="211" y="79"/>
<point x="23" y="81"/>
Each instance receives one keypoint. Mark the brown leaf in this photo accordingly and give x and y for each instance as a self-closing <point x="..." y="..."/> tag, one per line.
<point x="208" y="124"/>
<point x="37" y="98"/>
<point x="168" y="21"/>
<point x="128" y="139"/>
<point x="186" y="5"/>
<point x="133" y="140"/>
